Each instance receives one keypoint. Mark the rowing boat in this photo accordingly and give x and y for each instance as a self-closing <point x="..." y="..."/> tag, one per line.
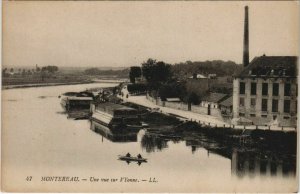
<point x="136" y="159"/>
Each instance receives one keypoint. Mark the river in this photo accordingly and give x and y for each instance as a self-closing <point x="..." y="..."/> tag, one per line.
<point x="38" y="140"/>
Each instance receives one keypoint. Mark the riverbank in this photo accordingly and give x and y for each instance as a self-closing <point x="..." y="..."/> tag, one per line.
<point x="283" y="141"/>
<point x="5" y="87"/>
<point x="43" y="85"/>
<point x="205" y="120"/>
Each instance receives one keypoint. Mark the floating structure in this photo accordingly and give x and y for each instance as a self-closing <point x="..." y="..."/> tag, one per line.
<point x="121" y="136"/>
<point x="116" y="116"/>
<point x="70" y="103"/>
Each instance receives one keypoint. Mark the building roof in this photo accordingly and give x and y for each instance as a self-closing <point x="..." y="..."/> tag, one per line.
<point x="79" y="98"/>
<point x="198" y="76"/>
<point x="271" y="66"/>
<point x="173" y="100"/>
<point x="214" y="97"/>
<point x="227" y="102"/>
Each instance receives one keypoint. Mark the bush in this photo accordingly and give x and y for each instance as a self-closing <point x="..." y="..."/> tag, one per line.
<point x="135" y="88"/>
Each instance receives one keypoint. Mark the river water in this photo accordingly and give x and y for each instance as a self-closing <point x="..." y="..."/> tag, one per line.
<point x="38" y="140"/>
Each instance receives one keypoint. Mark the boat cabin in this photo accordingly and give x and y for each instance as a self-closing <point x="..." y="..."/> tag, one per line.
<point x="75" y="103"/>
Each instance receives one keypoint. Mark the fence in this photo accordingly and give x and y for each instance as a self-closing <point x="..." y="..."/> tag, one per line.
<point x="245" y="127"/>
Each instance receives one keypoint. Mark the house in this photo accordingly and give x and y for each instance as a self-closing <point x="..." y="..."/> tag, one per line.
<point x="197" y="76"/>
<point x="212" y="100"/>
<point x="226" y="107"/>
<point x="266" y="90"/>
<point x="212" y="76"/>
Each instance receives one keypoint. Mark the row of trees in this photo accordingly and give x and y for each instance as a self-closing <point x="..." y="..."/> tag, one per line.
<point x="96" y="71"/>
<point x="219" y="67"/>
<point x="44" y="70"/>
<point x="155" y="72"/>
<point x="161" y="82"/>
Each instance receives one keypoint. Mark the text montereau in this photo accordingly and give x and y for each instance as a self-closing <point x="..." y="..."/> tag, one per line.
<point x="60" y="178"/>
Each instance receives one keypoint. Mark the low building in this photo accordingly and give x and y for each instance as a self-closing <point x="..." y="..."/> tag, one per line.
<point x="266" y="91"/>
<point x="212" y="100"/>
<point x="173" y="100"/>
<point x="198" y="76"/>
<point x="212" y="76"/>
<point x="226" y="107"/>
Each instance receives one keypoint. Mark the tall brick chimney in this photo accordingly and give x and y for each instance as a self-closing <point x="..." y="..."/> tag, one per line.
<point x="246" y="39"/>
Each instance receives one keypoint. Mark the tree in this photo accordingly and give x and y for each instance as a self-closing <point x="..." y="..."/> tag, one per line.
<point x="193" y="98"/>
<point x="37" y="69"/>
<point x="23" y="72"/>
<point x="50" y="69"/>
<point x="92" y="71"/>
<point x="156" y="73"/>
<point x="4" y="74"/>
<point x="172" y="90"/>
<point x="135" y="71"/>
<point x="147" y="68"/>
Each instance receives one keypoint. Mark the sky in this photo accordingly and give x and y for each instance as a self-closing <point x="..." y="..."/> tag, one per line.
<point x="123" y="34"/>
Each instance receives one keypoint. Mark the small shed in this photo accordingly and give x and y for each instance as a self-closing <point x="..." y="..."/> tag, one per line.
<point x="213" y="99"/>
<point x="226" y="106"/>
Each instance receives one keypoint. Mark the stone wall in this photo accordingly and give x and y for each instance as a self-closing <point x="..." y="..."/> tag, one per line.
<point x="182" y="106"/>
<point x="199" y="109"/>
<point x="177" y="105"/>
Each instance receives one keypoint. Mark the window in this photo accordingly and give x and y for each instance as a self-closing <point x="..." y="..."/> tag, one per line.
<point x="242" y="102"/>
<point x="241" y="114"/>
<point x="274" y="105"/>
<point x="275" y="89"/>
<point x="264" y="105"/>
<point x="253" y="102"/>
<point x="253" y="88"/>
<point x="265" y="89"/>
<point x="264" y="116"/>
<point x="252" y="115"/>
<point x="287" y="89"/>
<point x="286" y="117"/>
<point x="287" y="106"/>
<point x="242" y="88"/>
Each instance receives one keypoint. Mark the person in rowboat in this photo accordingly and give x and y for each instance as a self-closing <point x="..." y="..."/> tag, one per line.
<point x="128" y="155"/>
<point x="139" y="156"/>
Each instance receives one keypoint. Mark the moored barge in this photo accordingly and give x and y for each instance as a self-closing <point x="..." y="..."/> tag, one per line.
<point x="116" y="116"/>
<point x="76" y="103"/>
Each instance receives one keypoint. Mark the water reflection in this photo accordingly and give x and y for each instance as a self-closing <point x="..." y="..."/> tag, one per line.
<point x="114" y="136"/>
<point x="253" y="163"/>
<point x="152" y="143"/>
<point x="245" y="161"/>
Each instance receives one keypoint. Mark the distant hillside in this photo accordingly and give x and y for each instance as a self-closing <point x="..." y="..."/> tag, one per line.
<point x="122" y="73"/>
<point x="219" y="67"/>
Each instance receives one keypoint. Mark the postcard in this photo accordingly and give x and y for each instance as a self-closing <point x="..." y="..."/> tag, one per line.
<point x="149" y="96"/>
